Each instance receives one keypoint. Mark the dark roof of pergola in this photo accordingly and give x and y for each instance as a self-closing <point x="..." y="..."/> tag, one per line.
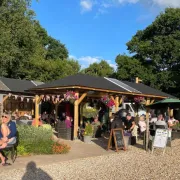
<point x="16" y="85"/>
<point x="101" y="84"/>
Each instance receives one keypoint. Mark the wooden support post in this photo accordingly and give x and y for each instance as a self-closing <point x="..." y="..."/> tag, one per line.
<point x="116" y="103"/>
<point x="37" y="110"/>
<point x="121" y="101"/>
<point x="76" y="116"/>
<point x="76" y="112"/>
<point x="5" y="97"/>
<point x="82" y="97"/>
<point x="40" y="98"/>
<point x="147" y="124"/>
<point x="152" y="101"/>
<point x="112" y="98"/>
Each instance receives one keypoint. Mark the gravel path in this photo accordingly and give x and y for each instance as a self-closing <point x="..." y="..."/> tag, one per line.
<point x="133" y="164"/>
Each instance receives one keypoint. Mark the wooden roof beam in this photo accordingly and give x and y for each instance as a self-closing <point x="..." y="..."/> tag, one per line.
<point x="102" y="90"/>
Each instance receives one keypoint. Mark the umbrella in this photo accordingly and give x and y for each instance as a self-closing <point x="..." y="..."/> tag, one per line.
<point x="169" y="102"/>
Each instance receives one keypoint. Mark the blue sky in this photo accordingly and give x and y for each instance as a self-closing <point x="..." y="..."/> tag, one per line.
<point x="97" y="29"/>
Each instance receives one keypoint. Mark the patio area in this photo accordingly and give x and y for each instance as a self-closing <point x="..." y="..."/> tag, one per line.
<point x="89" y="161"/>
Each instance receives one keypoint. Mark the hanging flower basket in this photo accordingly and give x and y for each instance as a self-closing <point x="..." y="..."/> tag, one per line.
<point x="70" y="96"/>
<point x="72" y="101"/>
<point x="108" y="102"/>
<point x="139" y="100"/>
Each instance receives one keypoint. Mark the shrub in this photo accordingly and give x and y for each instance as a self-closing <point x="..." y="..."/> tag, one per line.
<point x="33" y="140"/>
<point x="47" y="126"/>
<point x="60" y="148"/>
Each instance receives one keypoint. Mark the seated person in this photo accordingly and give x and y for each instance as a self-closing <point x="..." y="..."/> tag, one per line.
<point x="8" y="131"/>
<point x="96" y="125"/>
<point x="172" y="122"/>
<point x="142" y="124"/>
<point x="160" y="121"/>
<point x="7" y="134"/>
<point x="153" y="118"/>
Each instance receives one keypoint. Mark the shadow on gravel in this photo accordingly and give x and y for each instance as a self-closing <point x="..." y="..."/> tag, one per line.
<point x="34" y="173"/>
<point x="102" y="142"/>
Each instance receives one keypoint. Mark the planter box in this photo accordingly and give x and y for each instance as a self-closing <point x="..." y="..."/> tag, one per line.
<point x="87" y="139"/>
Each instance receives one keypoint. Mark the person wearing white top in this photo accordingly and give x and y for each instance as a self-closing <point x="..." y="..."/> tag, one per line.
<point x="142" y="123"/>
<point x="172" y="122"/>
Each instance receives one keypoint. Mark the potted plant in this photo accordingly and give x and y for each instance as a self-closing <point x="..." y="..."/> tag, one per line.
<point x="70" y="96"/>
<point x="88" y="133"/>
<point x="108" y="102"/>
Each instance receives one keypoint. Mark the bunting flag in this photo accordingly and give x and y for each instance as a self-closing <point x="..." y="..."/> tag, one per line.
<point x="15" y="96"/>
<point x="27" y="99"/>
<point x="9" y="94"/>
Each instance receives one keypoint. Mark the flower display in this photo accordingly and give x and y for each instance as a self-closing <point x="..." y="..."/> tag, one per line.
<point x="60" y="148"/>
<point x="107" y="101"/>
<point x="139" y="99"/>
<point x="70" y="96"/>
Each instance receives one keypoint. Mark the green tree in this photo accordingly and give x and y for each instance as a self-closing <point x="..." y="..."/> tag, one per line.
<point x="102" y="69"/>
<point x="44" y="70"/>
<point x="18" y="38"/>
<point x="25" y="45"/>
<point x="157" y="47"/>
<point x="54" y="48"/>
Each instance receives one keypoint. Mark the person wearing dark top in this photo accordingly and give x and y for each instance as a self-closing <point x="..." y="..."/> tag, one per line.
<point x="117" y="122"/>
<point x="129" y="122"/>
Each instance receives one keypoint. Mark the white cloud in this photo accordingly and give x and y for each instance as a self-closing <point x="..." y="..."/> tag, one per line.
<point x="167" y="3"/>
<point x="85" y="61"/>
<point x="160" y="3"/>
<point x="86" y="5"/>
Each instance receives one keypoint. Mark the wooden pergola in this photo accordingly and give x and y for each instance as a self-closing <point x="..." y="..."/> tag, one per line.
<point x="93" y="87"/>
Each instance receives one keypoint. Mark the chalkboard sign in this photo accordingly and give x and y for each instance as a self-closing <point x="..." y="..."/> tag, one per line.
<point x="118" y="137"/>
<point x="160" y="139"/>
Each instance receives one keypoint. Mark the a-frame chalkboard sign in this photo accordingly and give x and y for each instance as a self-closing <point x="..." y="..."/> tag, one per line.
<point x="118" y="136"/>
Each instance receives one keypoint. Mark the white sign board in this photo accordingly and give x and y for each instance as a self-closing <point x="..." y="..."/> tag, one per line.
<point x="161" y="138"/>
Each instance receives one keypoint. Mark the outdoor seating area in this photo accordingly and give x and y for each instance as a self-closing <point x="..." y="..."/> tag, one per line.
<point x="105" y="114"/>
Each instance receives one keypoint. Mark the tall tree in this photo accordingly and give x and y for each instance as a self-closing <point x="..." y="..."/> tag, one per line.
<point x="102" y="69"/>
<point x="158" y="47"/>
<point x="18" y="38"/>
<point x="44" y="70"/>
<point x="24" y="44"/>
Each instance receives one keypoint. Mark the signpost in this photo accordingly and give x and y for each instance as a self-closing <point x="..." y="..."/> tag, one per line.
<point x="118" y="137"/>
<point x="160" y="139"/>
